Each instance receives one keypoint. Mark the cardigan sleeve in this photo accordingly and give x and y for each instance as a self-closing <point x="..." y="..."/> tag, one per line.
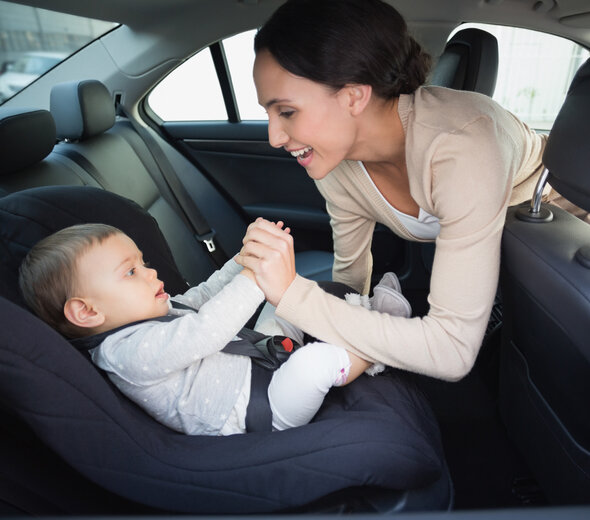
<point x="472" y="171"/>
<point x="352" y="235"/>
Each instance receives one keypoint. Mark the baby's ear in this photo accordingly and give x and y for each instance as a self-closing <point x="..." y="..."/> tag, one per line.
<point x="81" y="313"/>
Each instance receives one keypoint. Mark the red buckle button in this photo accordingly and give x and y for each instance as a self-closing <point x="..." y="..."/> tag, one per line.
<point x="287" y="344"/>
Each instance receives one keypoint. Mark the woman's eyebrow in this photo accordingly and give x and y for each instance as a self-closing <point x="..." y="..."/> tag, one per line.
<point x="275" y="101"/>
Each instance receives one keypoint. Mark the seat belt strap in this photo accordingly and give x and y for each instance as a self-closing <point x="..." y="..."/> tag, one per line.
<point x="201" y="228"/>
<point x="258" y="411"/>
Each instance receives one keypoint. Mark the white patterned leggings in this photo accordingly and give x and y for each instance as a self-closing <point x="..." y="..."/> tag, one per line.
<point x="298" y="387"/>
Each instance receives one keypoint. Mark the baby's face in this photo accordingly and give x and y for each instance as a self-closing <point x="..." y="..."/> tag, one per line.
<point x="113" y="277"/>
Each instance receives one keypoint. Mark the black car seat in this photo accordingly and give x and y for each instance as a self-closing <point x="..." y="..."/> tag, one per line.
<point x="374" y="445"/>
<point x="122" y="161"/>
<point x="469" y="62"/>
<point x="545" y="283"/>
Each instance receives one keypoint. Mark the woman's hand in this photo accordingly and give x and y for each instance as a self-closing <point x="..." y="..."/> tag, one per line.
<point x="268" y="252"/>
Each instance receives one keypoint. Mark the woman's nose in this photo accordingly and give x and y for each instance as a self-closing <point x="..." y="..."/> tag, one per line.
<point x="276" y="135"/>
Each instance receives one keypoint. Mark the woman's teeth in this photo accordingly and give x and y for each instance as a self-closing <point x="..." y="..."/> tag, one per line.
<point x="303" y="151"/>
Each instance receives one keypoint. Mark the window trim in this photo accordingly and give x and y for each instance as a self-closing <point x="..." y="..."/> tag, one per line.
<point x="225" y="82"/>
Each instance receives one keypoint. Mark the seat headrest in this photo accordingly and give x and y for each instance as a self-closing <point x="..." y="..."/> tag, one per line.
<point x="27" y="136"/>
<point x="567" y="153"/>
<point x="468" y="62"/>
<point x="29" y="215"/>
<point x="81" y="109"/>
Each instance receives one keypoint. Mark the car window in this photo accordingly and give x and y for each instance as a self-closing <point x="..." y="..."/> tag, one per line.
<point x="34" y="40"/>
<point x="535" y="70"/>
<point x="192" y="91"/>
<point x="534" y="73"/>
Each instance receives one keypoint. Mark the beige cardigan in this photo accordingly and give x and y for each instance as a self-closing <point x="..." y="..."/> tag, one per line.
<point x="467" y="160"/>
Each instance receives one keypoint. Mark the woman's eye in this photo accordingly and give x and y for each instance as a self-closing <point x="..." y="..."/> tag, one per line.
<point x="287" y="113"/>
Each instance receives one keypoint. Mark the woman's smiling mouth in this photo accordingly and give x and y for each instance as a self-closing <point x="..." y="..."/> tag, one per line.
<point x="302" y="155"/>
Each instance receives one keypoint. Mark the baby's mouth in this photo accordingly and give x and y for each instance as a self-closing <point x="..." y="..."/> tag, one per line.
<point x="161" y="293"/>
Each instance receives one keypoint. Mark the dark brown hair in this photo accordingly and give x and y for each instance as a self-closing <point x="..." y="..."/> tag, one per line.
<point x="344" y="42"/>
<point x="48" y="274"/>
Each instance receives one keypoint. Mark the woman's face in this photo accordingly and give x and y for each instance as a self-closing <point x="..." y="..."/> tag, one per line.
<point x="306" y="118"/>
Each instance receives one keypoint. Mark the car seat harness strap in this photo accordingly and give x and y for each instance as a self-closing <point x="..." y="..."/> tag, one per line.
<point x="267" y="354"/>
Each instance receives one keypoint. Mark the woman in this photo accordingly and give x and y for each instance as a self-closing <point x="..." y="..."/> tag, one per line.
<point x="341" y="81"/>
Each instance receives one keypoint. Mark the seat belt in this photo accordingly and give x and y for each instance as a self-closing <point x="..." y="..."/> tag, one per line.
<point x="202" y="231"/>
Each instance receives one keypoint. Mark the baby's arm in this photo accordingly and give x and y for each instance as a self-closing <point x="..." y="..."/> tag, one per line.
<point x="196" y="296"/>
<point x="147" y="353"/>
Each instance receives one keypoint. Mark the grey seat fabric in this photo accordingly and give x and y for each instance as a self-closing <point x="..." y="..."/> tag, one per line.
<point x="120" y="161"/>
<point x="468" y="62"/>
<point x="545" y="283"/>
<point x="27" y="137"/>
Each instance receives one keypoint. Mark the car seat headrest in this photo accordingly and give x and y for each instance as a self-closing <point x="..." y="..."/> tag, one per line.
<point x="29" y="215"/>
<point x="567" y="153"/>
<point x="468" y="62"/>
<point x="81" y="109"/>
<point x="27" y="136"/>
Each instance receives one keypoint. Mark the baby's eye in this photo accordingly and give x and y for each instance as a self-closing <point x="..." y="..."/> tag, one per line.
<point x="131" y="272"/>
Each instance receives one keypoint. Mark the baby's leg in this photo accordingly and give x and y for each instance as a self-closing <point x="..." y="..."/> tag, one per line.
<point x="298" y="387"/>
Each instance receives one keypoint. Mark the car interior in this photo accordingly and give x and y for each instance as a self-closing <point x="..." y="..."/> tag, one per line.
<point x="83" y="144"/>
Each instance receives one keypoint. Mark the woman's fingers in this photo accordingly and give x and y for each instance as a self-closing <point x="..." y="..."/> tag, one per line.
<point x="260" y="227"/>
<point x="268" y="252"/>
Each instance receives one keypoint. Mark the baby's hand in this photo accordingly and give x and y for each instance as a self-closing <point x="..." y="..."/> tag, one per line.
<point x="248" y="273"/>
<point x="280" y="225"/>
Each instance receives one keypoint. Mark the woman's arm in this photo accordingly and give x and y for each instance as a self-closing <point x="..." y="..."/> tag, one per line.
<point x="352" y="236"/>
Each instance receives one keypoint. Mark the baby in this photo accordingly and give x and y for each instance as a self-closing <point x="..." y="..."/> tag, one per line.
<point x="91" y="284"/>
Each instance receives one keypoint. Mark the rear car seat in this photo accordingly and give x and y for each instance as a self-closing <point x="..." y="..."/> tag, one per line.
<point x="27" y="137"/>
<point x="112" y="152"/>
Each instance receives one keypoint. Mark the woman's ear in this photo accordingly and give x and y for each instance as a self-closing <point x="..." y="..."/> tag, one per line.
<point x="82" y="314"/>
<point x="358" y="97"/>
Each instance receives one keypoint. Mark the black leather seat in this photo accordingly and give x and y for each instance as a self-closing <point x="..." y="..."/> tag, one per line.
<point x="468" y="62"/>
<point x="545" y="283"/>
